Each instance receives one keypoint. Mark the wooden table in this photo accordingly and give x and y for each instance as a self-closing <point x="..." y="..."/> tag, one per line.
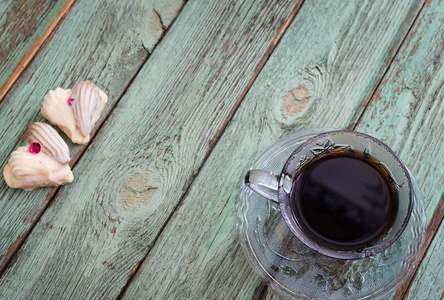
<point x="196" y="91"/>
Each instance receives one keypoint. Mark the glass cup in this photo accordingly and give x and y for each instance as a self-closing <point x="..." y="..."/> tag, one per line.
<point x="278" y="188"/>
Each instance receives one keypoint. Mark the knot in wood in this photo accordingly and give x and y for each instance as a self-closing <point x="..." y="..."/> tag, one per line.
<point x="296" y="100"/>
<point x="138" y="190"/>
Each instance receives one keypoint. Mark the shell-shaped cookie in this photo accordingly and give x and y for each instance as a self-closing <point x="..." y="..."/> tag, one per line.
<point x="57" y="95"/>
<point x="86" y="100"/>
<point x="19" y="167"/>
<point x="49" y="140"/>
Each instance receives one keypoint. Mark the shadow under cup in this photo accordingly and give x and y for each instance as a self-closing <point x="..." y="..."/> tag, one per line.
<point x="341" y="142"/>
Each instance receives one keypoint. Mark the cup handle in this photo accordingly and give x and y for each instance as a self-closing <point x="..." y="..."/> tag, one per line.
<point x="264" y="183"/>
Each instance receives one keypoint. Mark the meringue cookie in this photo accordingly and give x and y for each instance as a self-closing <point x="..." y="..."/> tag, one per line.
<point x="49" y="140"/>
<point x="42" y="162"/>
<point x="75" y="111"/>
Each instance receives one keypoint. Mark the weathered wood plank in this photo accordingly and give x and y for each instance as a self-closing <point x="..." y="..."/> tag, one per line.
<point x="407" y="109"/>
<point x="101" y="41"/>
<point x="431" y="230"/>
<point x="24" y="27"/>
<point x="270" y="294"/>
<point x="431" y="233"/>
<point x="7" y="8"/>
<point x="428" y="283"/>
<point x="406" y="112"/>
<point x="336" y="62"/>
<point x="131" y="178"/>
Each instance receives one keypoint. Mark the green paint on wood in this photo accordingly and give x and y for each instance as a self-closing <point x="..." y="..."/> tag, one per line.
<point x="161" y="16"/>
<point x="335" y="62"/>
<point x="407" y="113"/>
<point x="100" y="41"/>
<point x="408" y="108"/>
<point x="22" y="23"/>
<point x="428" y="283"/>
<point x="132" y="177"/>
<point x="7" y="9"/>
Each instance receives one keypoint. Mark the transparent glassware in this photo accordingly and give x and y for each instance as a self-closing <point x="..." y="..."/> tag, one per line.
<point x="277" y="188"/>
<point x="294" y="269"/>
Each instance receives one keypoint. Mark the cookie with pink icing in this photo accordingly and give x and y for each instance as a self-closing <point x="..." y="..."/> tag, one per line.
<point x="75" y="111"/>
<point x="43" y="161"/>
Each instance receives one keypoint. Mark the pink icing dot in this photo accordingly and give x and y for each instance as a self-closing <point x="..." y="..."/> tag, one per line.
<point x="34" y="148"/>
<point x="70" y="100"/>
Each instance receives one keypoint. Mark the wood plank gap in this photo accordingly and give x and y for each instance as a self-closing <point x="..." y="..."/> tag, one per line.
<point x="215" y="263"/>
<point x="403" y="290"/>
<point x="261" y="291"/>
<point x="15" y="247"/>
<point x="34" y="48"/>
<point x="261" y="64"/>
<point x="378" y="83"/>
<point x="79" y="155"/>
<point x="166" y="29"/>
<point x="431" y="230"/>
<point x="53" y="194"/>
<point x="214" y="141"/>
<point x="136" y="269"/>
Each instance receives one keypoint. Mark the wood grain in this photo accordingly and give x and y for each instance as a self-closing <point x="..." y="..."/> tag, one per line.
<point x="406" y="113"/>
<point x="100" y="41"/>
<point x="25" y="25"/>
<point x="337" y="60"/>
<point x="428" y="283"/>
<point x="90" y="240"/>
<point x="270" y="294"/>
<point x="7" y="9"/>
<point x="406" y="110"/>
<point x="431" y="230"/>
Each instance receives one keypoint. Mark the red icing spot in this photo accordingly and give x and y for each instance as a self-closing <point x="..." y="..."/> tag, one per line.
<point x="34" y="148"/>
<point x="70" y="100"/>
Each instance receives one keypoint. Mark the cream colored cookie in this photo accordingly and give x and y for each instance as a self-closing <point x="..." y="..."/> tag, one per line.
<point x="75" y="111"/>
<point x="42" y="162"/>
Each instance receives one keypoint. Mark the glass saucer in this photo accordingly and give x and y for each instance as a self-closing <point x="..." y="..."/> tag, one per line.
<point x="294" y="270"/>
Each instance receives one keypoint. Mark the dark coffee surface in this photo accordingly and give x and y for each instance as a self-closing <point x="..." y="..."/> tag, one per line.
<point x="344" y="200"/>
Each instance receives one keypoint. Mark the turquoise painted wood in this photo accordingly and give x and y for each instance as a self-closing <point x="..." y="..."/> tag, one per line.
<point x="128" y="182"/>
<point x="335" y="63"/>
<point x="428" y="283"/>
<point x="407" y="110"/>
<point x="7" y="8"/>
<point x="23" y="28"/>
<point x="407" y="113"/>
<point x="101" y="41"/>
<point x="93" y="239"/>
